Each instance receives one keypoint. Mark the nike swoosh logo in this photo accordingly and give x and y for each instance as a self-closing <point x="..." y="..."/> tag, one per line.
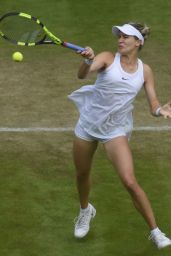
<point x="123" y="78"/>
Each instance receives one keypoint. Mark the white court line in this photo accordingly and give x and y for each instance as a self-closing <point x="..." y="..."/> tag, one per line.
<point x="66" y="129"/>
<point x="153" y="128"/>
<point x="36" y="129"/>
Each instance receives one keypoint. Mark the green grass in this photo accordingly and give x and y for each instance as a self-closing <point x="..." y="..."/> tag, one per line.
<point x="39" y="199"/>
<point x="37" y="187"/>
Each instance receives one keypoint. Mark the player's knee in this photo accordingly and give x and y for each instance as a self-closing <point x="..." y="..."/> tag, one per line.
<point x="82" y="174"/>
<point x="131" y="185"/>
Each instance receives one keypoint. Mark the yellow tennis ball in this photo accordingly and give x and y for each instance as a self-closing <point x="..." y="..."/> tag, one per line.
<point x="17" y="56"/>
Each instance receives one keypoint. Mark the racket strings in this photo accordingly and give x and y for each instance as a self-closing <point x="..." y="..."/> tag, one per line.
<point x="22" y="30"/>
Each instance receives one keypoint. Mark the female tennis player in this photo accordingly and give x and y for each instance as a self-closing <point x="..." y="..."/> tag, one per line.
<point x="106" y="116"/>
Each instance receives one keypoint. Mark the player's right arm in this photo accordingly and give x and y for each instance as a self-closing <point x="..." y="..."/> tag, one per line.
<point x="92" y="63"/>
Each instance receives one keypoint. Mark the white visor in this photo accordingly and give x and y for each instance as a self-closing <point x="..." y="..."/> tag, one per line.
<point x="129" y="30"/>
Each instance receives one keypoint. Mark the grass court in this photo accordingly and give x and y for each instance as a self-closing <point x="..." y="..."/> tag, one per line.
<point x="37" y="186"/>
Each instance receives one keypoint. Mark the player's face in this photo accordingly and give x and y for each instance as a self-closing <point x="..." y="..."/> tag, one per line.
<point x="127" y="44"/>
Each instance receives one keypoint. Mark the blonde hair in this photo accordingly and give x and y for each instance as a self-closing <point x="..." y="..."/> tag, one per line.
<point x="142" y="28"/>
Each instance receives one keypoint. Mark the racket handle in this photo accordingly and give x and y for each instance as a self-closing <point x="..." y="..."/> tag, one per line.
<point x="73" y="46"/>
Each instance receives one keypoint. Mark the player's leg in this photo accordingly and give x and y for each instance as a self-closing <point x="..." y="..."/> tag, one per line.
<point x="83" y="152"/>
<point x="119" y="153"/>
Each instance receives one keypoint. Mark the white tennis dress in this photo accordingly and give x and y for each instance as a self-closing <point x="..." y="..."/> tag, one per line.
<point x="106" y="107"/>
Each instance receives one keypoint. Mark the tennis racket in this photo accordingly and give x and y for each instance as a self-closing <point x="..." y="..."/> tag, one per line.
<point x="25" y="30"/>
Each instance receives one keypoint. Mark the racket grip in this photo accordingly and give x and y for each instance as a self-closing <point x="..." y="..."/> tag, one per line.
<point x="73" y="46"/>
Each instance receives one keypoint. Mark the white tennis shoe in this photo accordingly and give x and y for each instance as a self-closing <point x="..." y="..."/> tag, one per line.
<point x="82" y="222"/>
<point x="160" y="239"/>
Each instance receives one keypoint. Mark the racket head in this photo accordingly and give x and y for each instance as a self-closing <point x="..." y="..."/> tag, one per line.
<point x="25" y="30"/>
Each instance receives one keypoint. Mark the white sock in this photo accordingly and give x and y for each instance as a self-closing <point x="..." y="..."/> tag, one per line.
<point x="155" y="231"/>
<point x="85" y="209"/>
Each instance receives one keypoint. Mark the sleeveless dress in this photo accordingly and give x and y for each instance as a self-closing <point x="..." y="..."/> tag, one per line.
<point x="106" y="107"/>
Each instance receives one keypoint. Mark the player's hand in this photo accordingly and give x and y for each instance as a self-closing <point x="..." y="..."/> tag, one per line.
<point x="165" y="110"/>
<point x="88" y="53"/>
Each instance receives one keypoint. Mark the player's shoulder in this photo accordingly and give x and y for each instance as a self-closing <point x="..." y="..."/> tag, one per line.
<point x="147" y="68"/>
<point x="148" y="73"/>
<point x="105" y="54"/>
<point x="105" y="57"/>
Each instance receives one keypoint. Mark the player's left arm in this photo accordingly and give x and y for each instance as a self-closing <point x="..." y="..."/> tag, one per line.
<point x="155" y="106"/>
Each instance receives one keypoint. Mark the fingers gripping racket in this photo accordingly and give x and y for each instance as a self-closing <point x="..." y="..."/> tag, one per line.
<point x="25" y="30"/>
